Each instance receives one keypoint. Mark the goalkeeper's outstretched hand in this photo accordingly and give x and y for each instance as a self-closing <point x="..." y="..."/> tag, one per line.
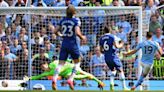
<point x="26" y="78"/>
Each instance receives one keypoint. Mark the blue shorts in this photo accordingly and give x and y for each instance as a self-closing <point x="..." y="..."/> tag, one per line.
<point x="65" y="51"/>
<point x="114" y="64"/>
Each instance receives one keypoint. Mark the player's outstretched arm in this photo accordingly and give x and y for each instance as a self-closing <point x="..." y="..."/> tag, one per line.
<point x="130" y="53"/>
<point x="160" y="51"/>
<point x="44" y="74"/>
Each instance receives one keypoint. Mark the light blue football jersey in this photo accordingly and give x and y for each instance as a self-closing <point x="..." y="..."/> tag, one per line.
<point x="149" y="49"/>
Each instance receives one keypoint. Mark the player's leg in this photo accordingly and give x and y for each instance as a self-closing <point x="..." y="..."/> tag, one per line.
<point x="82" y="74"/>
<point x="110" y="64"/>
<point x="62" y="58"/>
<point x="145" y="71"/>
<point x="75" y="54"/>
<point x="119" y="68"/>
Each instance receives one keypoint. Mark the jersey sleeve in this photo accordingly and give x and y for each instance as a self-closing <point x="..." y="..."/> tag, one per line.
<point x="157" y="45"/>
<point x="116" y="39"/>
<point x="78" y="22"/>
<point x="138" y="46"/>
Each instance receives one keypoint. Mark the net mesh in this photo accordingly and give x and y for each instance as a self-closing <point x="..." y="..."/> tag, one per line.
<point x="14" y="37"/>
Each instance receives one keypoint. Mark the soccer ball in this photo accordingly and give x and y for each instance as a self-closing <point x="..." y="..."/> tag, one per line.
<point x="4" y="84"/>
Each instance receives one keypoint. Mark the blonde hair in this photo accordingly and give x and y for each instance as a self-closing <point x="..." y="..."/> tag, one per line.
<point x="70" y="11"/>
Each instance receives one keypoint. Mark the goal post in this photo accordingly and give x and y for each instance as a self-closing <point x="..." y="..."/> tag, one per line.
<point x="34" y="27"/>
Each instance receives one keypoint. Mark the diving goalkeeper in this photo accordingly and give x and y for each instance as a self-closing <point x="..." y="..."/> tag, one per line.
<point x="65" y="72"/>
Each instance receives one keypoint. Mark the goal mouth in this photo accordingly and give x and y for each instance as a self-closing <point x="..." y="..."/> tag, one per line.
<point x="30" y="25"/>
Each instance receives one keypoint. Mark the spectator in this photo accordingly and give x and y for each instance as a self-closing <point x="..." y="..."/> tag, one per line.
<point x="36" y="47"/>
<point x="113" y="26"/>
<point x="159" y="18"/>
<point x="22" y="65"/>
<point x="2" y="33"/>
<point x="10" y="58"/>
<point x="15" y="47"/>
<point x="85" y="65"/>
<point x="136" y="3"/>
<point x="67" y="2"/>
<point x="150" y="5"/>
<point x="3" y="3"/>
<point x="17" y="22"/>
<point x="47" y="41"/>
<point x="20" y="3"/>
<point x="125" y="24"/>
<point x="98" y="63"/>
<point x="158" y="36"/>
<point x="84" y="48"/>
<point x="10" y="3"/>
<point x="2" y="53"/>
<point x="38" y="61"/>
<point x="3" y="20"/>
<point x="2" y="64"/>
<point x="49" y="3"/>
<point x="91" y="3"/>
<point x="43" y="33"/>
<point x="163" y="47"/>
<point x="76" y="2"/>
<point x="128" y="60"/>
<point x="8" y="36"/>
<point x="59" y="3"/>
<point x="154" y="24"/>
<point x="39" y="3"/>
<point x="121" y="34"/>
<point x="53" y="39"/>
<point x="23" y="47"/>
<point x="14" y="32"/>
<point x="117" y="3"/>
<point x="81" y="4"/>
<point x="49" y="50"/>
<point x="36" y="34"/>
<point x="106" y="2"/>
<point x="98" y="20"/>
<point x="22" y="35"/>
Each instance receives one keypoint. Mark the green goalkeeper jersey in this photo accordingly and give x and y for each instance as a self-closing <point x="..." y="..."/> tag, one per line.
<point x="65" y="71"/>
<point x="67" y="68"/>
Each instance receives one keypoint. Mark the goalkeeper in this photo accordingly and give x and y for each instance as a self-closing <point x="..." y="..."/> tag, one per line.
<point x="65" y="72"/>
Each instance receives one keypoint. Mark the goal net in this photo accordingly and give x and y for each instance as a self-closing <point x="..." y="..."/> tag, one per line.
<point x="28" y="39"/>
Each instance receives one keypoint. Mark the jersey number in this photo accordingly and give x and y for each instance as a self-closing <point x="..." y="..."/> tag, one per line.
<point x="106" y="46"/>
<point x="67" y="30"/>
<point x="148" y="49"/>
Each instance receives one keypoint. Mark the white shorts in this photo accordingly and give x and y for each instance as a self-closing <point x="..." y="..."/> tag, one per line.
<point x="146" y="68"/>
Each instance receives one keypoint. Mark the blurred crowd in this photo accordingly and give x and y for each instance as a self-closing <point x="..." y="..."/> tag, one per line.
<point x="45" y="45"/>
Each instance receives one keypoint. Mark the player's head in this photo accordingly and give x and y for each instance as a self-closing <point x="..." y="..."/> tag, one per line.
<point x="44" y="65"/>
<point x="149" y="35"/>
<point x="107" y="29"/>
<point x="70" y="11"/>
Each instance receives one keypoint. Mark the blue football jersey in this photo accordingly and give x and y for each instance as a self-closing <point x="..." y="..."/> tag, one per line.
<point x="68" y="30"/>
<point x="149" y="49"/>
<point x="106" y="42"/>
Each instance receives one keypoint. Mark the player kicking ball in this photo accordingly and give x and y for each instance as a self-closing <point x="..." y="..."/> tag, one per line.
<point x="65" y="72"/>
<point x="149" y="49"/>
<point x="70" y="29"/>
<point x="109" y="44"/>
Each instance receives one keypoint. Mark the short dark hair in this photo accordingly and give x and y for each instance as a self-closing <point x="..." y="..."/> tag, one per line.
<point x="149" y="34"/>
<point x="106" y="29"/>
